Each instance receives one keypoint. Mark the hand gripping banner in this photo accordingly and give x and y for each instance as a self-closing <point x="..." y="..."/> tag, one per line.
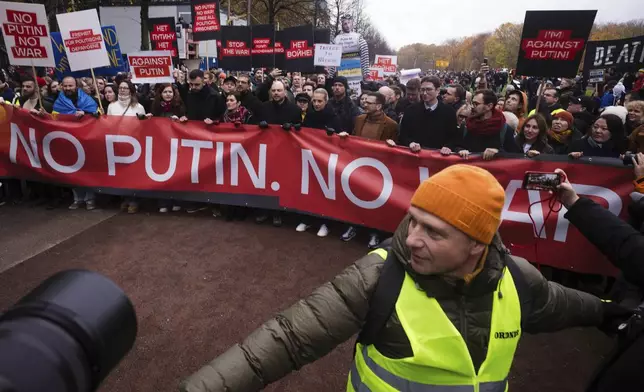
<point x="353" y="180"/>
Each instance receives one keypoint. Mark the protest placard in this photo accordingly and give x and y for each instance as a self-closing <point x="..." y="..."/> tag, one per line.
<point x="596" y="76"/>
<point x="327" y="55"/>
<point x="113" y="52"/>
<point x="26" y="34"/>
<point x="154" y="66"/>
<point x="235" y="48"/>
<point x="624" y="55"/>
<point x="163" y="35"/>
<point x="553" y="42"/>
<point x="83" y="39"/>
<point x="388" y="64"/>
<point x="205" y="20"/>
<point x="298" y="48"/>
<point x="263" y="46"/>
<point x="408" y="74"/>
<point x="376" y="74"/>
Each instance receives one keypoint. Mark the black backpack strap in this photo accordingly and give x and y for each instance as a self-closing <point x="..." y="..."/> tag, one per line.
<point x="383" y="300"/>
<point x="523" y="289"/>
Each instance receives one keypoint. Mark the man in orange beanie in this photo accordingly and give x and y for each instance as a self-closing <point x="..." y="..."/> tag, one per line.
<point x="441" y="307"/>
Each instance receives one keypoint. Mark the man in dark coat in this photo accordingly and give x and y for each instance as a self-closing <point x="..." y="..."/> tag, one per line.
<point x="279" y="110"/>
<point x="202" y="103"/>
<point x="248" y="99"/>
<point x="624" y="247"/>
<point x="342" y="105"/>
<point x="430" y="123"/>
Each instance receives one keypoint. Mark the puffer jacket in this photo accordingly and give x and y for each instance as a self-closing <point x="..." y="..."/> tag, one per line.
<point x="337" y="310"/>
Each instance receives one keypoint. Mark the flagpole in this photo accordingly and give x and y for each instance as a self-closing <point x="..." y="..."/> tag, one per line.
<point x="33" y="69"/>
<point x="98" y="95"/>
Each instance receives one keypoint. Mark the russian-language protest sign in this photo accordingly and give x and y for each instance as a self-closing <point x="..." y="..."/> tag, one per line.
<point x="83" y="40"/>
<point x="625" y="55"/>
<point x="163" y="35"/>
<point x="235" y="48"/>
<point x="113" y="52"/>
<point x="327" y="55"/>
<point x="325" y="177"/>
<point x="206" y="24"/>
<point x="154" y="66"/>
<point x="263" y="46"/>
<point x="298" y="48"/>
<point x="279" y="49"/>
<point x="388" y="64"/>
<point x="26" y="34"/>
<point x="552" y="42"/>
<point x="376" y="74"/>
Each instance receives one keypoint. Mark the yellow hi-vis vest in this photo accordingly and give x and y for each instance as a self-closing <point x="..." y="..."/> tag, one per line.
<point x="441" y="360"/>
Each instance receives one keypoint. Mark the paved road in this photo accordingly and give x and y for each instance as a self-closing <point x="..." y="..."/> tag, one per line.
<point x="199" y="285"/>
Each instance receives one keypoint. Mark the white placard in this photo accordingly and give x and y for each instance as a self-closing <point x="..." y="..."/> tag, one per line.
<point x="83" y="38"/>
<point x="152" y="66"/>
<point x="327" y="55"/>
<point x="208" y="48"/>
<point x="26" y="34"/>
<point x="388" y="64"/>
<point x="408" y="74"/>
<point x="596" y="76"/>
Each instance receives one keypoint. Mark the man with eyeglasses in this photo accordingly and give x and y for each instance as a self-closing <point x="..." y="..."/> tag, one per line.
<point x="202" y="104"/>
<point x="375" y="125"/>
<point x="549" y="104"/>
<point x="248" y="98"/>
<point x="430" y="123"/>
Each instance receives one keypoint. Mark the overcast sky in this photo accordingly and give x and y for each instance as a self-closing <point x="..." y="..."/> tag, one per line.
<point x="404" y="22"/>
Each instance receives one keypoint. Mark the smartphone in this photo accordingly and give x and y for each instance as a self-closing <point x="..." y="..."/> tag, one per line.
<point x="541" y="181"/>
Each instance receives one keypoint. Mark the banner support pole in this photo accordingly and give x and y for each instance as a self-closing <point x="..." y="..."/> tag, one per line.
<point x="33" y="69"/>
<point x="98" y="95"/>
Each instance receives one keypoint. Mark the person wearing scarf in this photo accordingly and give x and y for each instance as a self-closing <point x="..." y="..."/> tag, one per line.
<point x="605" y="140"/>
<point x="167" y="103"/>
<point x="562" y="133"/>
<point x="126" y="103"/>
<point x="485" y="129"/>
<point x="73" y="100"/>
<point x="235" y="113"/>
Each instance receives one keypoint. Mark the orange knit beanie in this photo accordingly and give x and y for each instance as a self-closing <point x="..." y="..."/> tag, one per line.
<point x="467" y="197"/>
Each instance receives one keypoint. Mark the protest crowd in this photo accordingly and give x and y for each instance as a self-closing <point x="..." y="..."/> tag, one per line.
<point x="480" y="112"/>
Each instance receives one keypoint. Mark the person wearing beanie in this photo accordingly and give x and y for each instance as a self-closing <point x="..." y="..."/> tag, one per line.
<point x="342" y="105"/>
<point x="434" y="303"/>
<point x="580" y="108"/>
<point x="562" y="133"/>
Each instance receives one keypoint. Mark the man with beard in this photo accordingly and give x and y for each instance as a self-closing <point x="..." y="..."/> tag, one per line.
<point x="248" y="99"/>
<point x="202" y="103"/>
<point x="485" y="130"/>
<point x="342" y="105"/>
<point x="549" y="104"/>
<point x="29" y="98"/>
<point x="73" y="100"/>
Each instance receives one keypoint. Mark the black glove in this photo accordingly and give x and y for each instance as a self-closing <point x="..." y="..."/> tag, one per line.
<point x="286" y="126"/>
<point x="614" y="315"/>
<point x="297" y="126"/>
<point x="263" y="124"/>
<point x="330" y="131"/>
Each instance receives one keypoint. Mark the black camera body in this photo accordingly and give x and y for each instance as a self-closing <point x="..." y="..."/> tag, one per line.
<point x="628" y="159"/>
<point x="66" y="335"/>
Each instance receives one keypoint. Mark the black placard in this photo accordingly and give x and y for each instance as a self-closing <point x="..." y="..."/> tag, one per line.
<point x="263" y="46"/>
<point x="234" y="53"/>
<point x="625" y="55"/>
<point x="552" y="42"/>
<point x="279" y="49"/>
<point x="163" y="35"/>
<point x="298" y="48"/>
<point x="206" y="22"/>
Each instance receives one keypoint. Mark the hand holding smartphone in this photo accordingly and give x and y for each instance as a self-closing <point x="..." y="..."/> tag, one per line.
<point x="542" y="181"/>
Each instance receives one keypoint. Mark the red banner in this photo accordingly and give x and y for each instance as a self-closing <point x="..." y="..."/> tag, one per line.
<point x="354" y="180"/>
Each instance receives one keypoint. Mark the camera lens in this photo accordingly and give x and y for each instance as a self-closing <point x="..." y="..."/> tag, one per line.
<point x="66" y="335"/>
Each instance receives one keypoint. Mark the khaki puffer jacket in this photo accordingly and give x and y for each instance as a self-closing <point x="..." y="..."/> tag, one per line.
<point x="336" y="311"/>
